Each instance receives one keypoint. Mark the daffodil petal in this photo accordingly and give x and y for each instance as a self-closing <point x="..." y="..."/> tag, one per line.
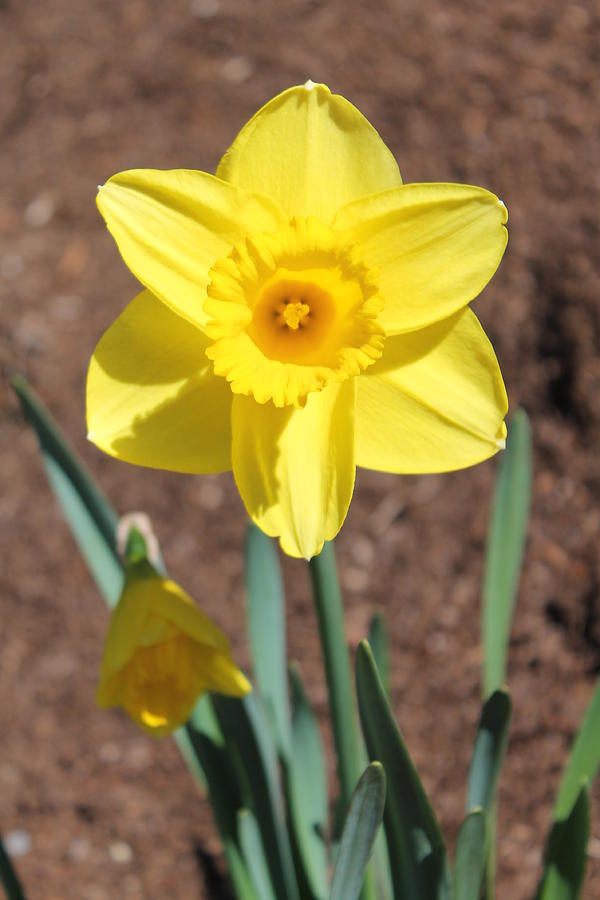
<point x="217" y="672"/>
<point x="436" y="246"/>
<point x="294" y="468"/>
<point x="170" y="602"/>
<point x="126" y="624"/>
<point x="152" y="396"/>
<point x="312" y="151"/>
<point x="172" y="226"/>
<point x="434" y="402"/>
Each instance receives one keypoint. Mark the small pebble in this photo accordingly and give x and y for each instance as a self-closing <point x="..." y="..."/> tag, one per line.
<point x="66" y="307"/>
<point x="30" y="333"/>
<point x="95" y="124"/>
<point x="237" y="69"/>
<point x="355" y="579"/>
<point x="75" y="258"/>
<point x="38" y="86"/>
<point x="120" y="852"/>
<point x="594" y="848"/>
<point x="40" y="211"/>
<point x="109" y="752"/>
<point x="204" y="9"/>
<point x="363" y="550"/>
<point x="138" y="755"/>
<point x="59" y="665"/>
<point x="210" y="494"/>
<point x="17" y="843"/>
<point x="79" y="849"/>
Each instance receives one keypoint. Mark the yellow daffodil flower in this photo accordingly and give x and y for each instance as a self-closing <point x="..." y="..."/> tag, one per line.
<point x="304" y="313"/>
<point x="162" y="653"/>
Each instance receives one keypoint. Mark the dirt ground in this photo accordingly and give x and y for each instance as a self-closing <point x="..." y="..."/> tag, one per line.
<point x="504" y="95"/>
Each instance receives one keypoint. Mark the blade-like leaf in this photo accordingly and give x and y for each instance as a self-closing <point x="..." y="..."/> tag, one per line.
<point x="469" y="857"/>
<point x="378" y="642"/>
<point x="566" y="856"/>
<point x="584" y="760"/>
<point x="504" y="552"/>
<point x="8" y="877"/>
<point x="92" y="520"/>
<point x="225" y="800"/>
<point x="488" y="752"/>
<point x="306" y="789"/>
<point x="358" y="835"/>
<point x="266" y="628"/>
<point x="248" y="742"/>
<point x="418" y="859"/>
<point x="330" y="618"/>
<point x="203" y="721"/>
<point x="254" y="855"/>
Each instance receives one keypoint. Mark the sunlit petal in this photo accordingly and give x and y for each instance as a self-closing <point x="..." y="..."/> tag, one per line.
<point x="312" y="151"/>
<point x="435" y="246"/>
<point x="152" y="397"/>
<point x="434" y="402"/>
<point x="295" y="467"/>
<point x="171" y="227"/>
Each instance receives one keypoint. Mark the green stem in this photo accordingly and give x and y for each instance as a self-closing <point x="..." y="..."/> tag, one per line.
<point x="330" y="618"/>
<point x="344" y="720"/>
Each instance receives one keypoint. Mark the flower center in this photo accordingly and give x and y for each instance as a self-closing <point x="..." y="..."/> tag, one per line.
<point x="291" y="311"/>
<point x="290" y="316"/>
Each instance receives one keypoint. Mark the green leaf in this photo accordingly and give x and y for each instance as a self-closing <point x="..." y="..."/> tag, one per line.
<point x="488" y="752"/>
<point x="584" y="760"/>
<point x="505" y="546"/>
<point x="486" y="762"/>
<point x="248" y="742"/>
<point x="238" y="873"/>
<point x="330" y="618"/>
<point x="203" y="721"/>
<point x="378" y="642"/>
<point x="225" y="799"/>
<point x="306" y="788"/>
<point x="254" y="855"/>
<point x="566" y="856"/>
<point x="8" y="876"/>
<point x="223" y="786"/>
<point x="359" y="833"/>
<point x="92" y="520"/>
<point x="418" y="860"/>
<point x="266" y="628"/>
<point x="469" y="857"/>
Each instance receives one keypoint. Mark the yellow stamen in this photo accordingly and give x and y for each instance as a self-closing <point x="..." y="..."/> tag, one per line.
<point x="293" y="314"/>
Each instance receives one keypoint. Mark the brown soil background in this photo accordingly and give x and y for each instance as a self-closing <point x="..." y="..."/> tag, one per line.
<point x="506" y="96"/>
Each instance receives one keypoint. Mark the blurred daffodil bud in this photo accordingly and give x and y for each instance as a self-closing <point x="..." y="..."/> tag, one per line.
<point x="162" y="653"/>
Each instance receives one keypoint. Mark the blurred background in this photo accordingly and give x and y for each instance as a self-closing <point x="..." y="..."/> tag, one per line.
<point x="506" y="96"/>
